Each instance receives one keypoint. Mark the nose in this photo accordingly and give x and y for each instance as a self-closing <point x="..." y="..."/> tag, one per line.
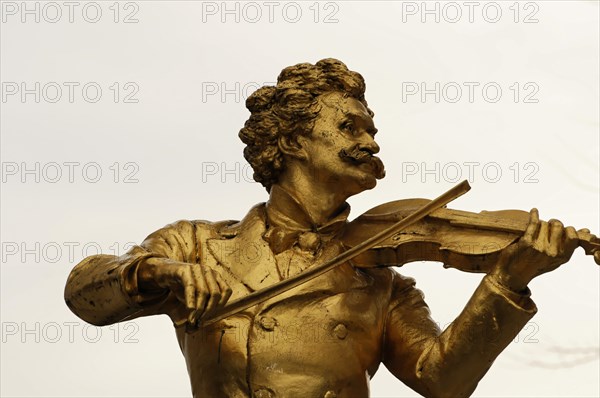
<point x="368" y="143"/>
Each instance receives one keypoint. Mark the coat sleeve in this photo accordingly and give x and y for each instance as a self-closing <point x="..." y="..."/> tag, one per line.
<point x="102" y="289"/>
<point x="450" y="363"/>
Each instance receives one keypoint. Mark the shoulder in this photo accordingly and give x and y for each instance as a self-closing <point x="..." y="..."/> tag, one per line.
<point x="210" y="229"/>
<point x="404" y="292"/>
<point x="231" y="228"/>
<point x="186" y="229"/>
<point x="390" y="281"/>
<point x="401" y="283"/>
<point x="400" y="289"/>
<point x="389" y="276"/>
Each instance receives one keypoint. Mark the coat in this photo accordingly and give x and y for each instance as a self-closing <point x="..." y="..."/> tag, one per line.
<point x="325" y="338"/>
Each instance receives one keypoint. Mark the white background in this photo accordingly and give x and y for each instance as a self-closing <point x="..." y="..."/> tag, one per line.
<point x="175" y="138"/>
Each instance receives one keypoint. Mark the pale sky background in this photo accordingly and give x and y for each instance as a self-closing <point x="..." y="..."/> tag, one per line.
<point x="178" y="157"/>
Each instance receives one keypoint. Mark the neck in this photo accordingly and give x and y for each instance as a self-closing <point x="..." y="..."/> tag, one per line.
<point x="320" y="201"/>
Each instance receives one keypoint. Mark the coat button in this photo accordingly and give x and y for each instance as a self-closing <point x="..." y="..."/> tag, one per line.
<point x="263" y="393"/>
<point x="340" y="331"/>
<point x="330" y="394"/>
<point x="268" y="323"/>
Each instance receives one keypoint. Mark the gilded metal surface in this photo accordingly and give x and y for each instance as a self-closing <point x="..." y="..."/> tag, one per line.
<point x="311" y="143"/>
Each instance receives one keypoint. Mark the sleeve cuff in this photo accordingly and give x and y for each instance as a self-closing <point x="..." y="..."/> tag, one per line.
<point x="128" y="276"/>
<point x="520" y="299"/>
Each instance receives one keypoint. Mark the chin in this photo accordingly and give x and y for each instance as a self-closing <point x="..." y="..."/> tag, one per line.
<point x="364" y="182"/>
<point x="369" y="183"/>
<point x="370" y="174"/>
<point x="357" y="182"/>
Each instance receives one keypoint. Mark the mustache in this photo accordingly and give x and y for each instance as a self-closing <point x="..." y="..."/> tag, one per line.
<point x="357" y="155"/>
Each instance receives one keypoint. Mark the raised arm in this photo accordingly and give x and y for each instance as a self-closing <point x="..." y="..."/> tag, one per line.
<point x="450" y="363"/>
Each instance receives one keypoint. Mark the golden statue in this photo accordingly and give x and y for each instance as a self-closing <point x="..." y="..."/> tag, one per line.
<point x="296" y="301"/>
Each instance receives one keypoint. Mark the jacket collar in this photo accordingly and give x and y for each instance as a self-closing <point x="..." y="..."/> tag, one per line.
<point x="288" y="220"/>
<point x="247" y="256"/>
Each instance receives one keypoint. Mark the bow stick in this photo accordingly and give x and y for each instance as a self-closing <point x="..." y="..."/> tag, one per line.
<point x="262" y="295"/>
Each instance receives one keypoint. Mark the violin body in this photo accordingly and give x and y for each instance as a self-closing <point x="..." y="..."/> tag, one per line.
<point x="467" y="241"/>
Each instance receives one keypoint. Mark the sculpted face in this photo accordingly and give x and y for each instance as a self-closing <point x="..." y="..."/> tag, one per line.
<point x="340" y="149"/>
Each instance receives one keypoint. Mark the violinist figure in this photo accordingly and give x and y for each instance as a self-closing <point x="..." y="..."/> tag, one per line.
<point x="311" y="143"/>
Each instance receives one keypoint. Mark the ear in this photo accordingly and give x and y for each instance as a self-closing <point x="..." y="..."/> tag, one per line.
<point x="293" y="147"/>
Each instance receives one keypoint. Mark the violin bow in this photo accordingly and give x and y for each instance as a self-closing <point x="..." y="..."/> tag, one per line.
<point x="262" y="295"/>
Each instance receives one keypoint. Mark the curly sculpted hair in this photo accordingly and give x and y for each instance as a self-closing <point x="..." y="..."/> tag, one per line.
<point x="289" y="109"/>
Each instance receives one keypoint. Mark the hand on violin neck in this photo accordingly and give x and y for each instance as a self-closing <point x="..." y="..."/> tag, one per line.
<point x="544" y="247"/>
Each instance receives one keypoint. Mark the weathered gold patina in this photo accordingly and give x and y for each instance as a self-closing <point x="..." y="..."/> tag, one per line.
<point x="310" y="140"/>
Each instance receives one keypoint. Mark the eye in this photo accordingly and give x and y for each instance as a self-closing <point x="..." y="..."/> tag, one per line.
<point x="348" y="126"/>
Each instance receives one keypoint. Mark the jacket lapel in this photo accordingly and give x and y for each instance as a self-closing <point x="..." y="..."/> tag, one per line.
<point x="244" y="253"/>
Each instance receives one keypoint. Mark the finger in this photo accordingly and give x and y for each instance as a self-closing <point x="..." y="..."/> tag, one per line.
<point x="176" y="286"/>
<point x="585" y="234"/>
<point x="532" y="227"/>
<point x="189" y="287"/>
<point x="202" y="294"/>
<point x="556" y="233"/>
<point x="542" y="237"/>
<point x="225" y="289"/>
<point x="214" y="289"/>
<point x="571" y="240"/>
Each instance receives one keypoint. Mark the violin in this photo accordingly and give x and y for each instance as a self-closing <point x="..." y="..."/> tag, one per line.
<point x="470" y="242"/>
<point x="398" y="232"/>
